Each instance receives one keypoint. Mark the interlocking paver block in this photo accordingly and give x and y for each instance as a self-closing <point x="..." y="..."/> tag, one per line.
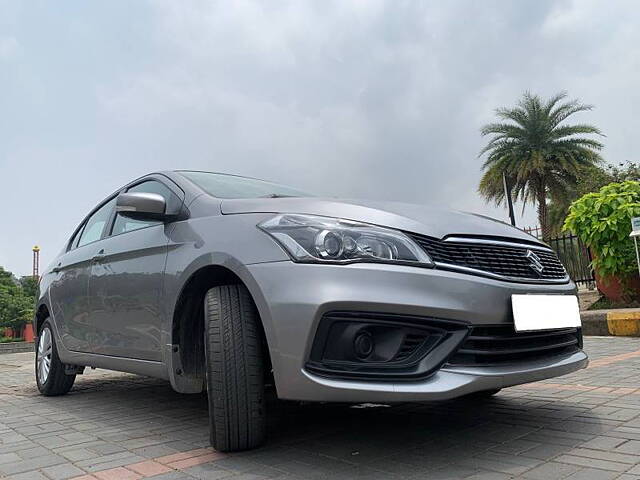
<point x="34" y="475"/>
<point x="119" y="473"/>
<point x="551" y="471"/>
<point x="593" y="462"/>
<point x="173" y="475"/>
<point x="174" y="457"/>
<point x="190" y="462"/>
<point x="592" y="474"/>
<point x="148" y="468"/>
<point x="63" y="471"/>
<point x="9" y="458"/>
<point x="33" y="464"/>
<point x="78" y="454"/>
<point x="114" y="463"/>
<point x="603" y="443"/>
<point x="609" y="456"/>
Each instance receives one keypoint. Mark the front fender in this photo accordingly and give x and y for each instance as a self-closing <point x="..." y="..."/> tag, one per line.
<point x="232" y="242"/>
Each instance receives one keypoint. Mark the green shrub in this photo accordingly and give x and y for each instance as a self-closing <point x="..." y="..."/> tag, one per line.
<point x="16" y="305"/>
<point x="602" y="221"/>
<point x="11" y="339"/>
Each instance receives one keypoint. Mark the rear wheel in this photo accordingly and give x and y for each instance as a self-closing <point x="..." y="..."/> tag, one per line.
<point x="50" y="371"/>
<point x="235" y="370"/>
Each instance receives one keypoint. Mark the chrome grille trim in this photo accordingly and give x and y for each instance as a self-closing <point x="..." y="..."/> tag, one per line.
<point x="446" y="253"/>
<point x="501" y="243"/>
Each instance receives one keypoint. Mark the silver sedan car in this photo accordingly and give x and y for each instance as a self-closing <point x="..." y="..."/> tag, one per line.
<point x="223" y="284"/>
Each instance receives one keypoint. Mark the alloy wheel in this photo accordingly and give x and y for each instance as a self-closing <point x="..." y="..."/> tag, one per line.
<point x="45" y="349"/>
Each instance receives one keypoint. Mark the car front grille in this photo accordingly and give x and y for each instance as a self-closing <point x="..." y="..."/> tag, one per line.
<point x="501" y="344"/>
<point x="506" y="260"/>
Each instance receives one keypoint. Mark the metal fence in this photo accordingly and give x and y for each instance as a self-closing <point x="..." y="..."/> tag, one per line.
<point x="535" y="231"/>
<point x="573" y="254"/>
<point x="575" y="257"/>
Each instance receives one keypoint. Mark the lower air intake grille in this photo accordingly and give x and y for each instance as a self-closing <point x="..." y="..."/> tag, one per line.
<point x="500" y="345"/>
<point x="410" y="344"/>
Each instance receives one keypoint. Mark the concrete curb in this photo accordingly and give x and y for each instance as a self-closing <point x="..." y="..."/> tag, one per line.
<point x="16" y="347"/>
<point x="624" y="322"/>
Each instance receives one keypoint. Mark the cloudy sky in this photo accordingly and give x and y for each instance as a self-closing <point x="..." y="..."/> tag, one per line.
<point x="369" y="99"/>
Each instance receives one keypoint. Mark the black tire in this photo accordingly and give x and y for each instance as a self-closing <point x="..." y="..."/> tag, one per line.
<point x="484" y="393"/>
<point x="235" y="370"/>
<point x="56" y="381"/>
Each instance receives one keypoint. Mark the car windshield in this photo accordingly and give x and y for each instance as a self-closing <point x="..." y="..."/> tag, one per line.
<point x="231" y="186"/>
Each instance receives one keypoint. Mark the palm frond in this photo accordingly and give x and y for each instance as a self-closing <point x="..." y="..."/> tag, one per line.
<point x="553" y="101"/>
<point x="565" y="110"/>
<point x="577" y="129"/>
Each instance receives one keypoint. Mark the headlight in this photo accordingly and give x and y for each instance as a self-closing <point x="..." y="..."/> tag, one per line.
<point x="313" y="239"/>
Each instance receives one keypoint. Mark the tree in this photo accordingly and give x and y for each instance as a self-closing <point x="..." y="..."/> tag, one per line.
<point x="29" y="286"/>
<point x="539" y="154"/>
<point x="590" y="179"/>
<point x="625" y="171"/>
<point x="16" y="302"/>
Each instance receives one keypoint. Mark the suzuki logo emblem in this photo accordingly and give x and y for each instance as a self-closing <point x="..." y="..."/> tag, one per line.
<point x="534" y="261"/>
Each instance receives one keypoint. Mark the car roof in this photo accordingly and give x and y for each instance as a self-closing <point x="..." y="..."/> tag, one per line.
<point x="219" y="173"/>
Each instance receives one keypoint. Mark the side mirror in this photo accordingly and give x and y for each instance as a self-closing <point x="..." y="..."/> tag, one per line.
<point x="141" y="206"/>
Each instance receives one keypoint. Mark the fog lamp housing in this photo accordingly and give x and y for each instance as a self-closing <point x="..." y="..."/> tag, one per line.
<point x="363" y="344"/>
<point x="382" y="346"/>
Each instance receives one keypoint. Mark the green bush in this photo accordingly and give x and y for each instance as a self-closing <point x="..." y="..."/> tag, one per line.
<point x="11" y="339"/>
<point x="602" y="221"/>
<point x="16" y="302"/>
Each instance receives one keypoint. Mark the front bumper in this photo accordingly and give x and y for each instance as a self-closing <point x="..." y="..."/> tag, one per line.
<point x="292" y="298"/>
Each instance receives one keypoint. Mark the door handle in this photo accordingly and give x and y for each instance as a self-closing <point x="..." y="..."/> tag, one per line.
<point x="57" y="268"/>
<point x="99" y="256"/>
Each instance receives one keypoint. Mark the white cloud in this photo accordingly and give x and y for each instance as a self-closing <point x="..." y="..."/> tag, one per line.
<point x="379" y="99"/>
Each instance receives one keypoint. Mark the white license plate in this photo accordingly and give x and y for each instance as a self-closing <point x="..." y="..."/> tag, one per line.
<point x="545" y="312"/>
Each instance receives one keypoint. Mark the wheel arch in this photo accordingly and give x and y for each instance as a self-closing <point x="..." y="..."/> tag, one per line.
<point x="42" y="313"/>
<point x="186" y="357"/>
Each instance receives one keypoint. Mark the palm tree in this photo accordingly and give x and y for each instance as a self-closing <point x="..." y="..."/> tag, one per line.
<point x="538" y="153"/>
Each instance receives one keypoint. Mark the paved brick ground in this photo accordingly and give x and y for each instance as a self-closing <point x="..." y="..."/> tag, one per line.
<point x="116" y="426"/>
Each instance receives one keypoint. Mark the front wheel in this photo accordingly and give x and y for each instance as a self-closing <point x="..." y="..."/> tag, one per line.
<point x="235" y="370"/>
<point x="50" y="371"/>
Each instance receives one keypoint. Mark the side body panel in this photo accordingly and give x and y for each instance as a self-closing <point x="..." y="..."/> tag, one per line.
<point x="68" y="292"/>
<point x="125" y="290"/>
<point x="207" y="238"/>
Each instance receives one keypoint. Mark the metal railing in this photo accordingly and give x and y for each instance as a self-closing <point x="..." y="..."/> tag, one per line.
<point x="574" y="255"/>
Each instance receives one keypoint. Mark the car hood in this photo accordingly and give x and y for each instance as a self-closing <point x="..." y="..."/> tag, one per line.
<point x="434" y="222"/>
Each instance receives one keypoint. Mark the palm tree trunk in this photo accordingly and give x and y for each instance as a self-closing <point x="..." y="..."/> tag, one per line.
<point x="543" y="211"/>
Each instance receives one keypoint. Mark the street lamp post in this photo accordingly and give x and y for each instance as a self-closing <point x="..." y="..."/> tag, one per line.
<point x="36" y="261"/>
